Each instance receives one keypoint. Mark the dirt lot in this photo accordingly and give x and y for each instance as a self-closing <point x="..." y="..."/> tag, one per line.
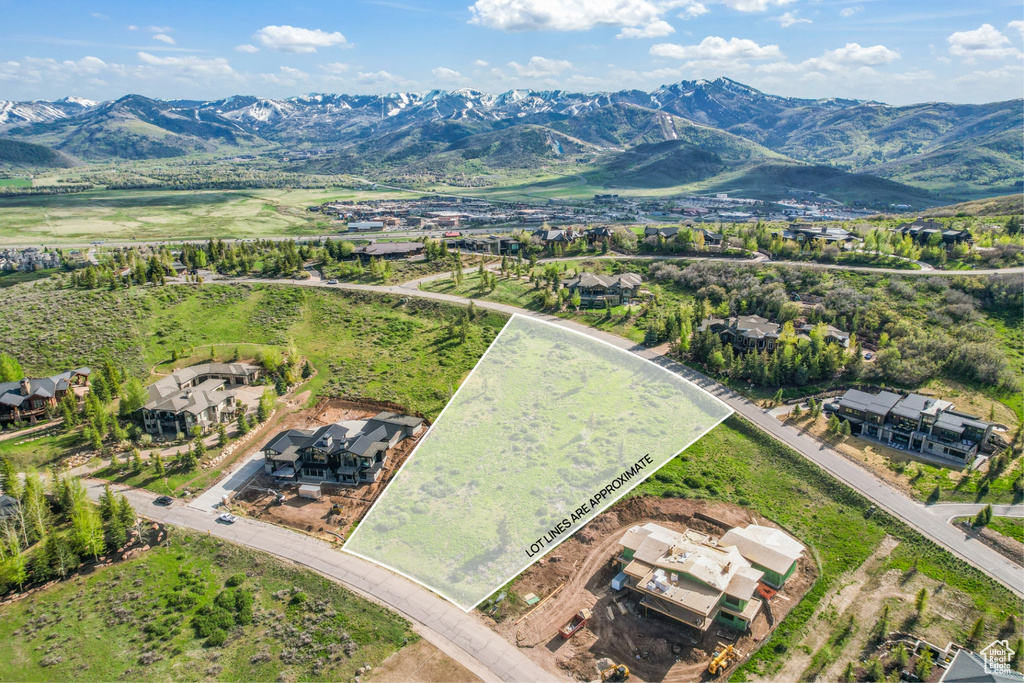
<point x="314" y="516"/>
<point x="421" y="663"/>
<point x="654" y="648"/>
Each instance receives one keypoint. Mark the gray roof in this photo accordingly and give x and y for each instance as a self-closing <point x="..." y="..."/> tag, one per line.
<point x="386" y="248"/>
<point x="358" y="437"/>
<point x="622" y="281"/>
<point x="879" y="404"/>
<point x="167" y="393"/>
<point x="45" y="387"/>
<point x="969" y="667"/>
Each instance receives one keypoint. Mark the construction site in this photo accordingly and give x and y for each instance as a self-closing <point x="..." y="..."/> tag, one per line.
<point x="333" y="511"/>
<point x="573" y="614"/>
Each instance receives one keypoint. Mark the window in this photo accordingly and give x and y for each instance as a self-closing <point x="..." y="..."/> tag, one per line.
<point x="732" y="601"/>
<point x="314" y="472"/>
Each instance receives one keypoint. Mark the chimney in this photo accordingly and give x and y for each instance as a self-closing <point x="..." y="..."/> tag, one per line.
<point x="824" y="230"/>
<point x="26" y="386"/>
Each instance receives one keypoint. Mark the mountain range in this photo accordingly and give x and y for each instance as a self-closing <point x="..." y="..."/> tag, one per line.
<point x="693" y="131"/>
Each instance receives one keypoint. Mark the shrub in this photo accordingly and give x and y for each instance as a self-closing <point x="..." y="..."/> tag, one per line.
<point x="235" y="580"/>
<point x="208" y="620"/>
<point x="216" y="639"/>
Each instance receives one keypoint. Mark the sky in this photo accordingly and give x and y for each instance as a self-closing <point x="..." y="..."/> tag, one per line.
<point x="894" y="51"/>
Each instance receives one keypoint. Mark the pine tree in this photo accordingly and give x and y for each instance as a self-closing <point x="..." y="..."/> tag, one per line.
<point x="243" y="424"/>
<point x="136" y="461"/>
<point x="924" y="664"/>
<point x="900" y="657"/>
<point x="846" y="428"/>
<point x="977" y="632"/>
<point x="849" y="674"/>
<point x="9" y="480"/>
<point x="833" y="424"/>
<point x="222" y="435"/>
<point x="114" y="460"/>
<point x="797" y="413"/>
<point x="158" y="463"/>
<point x="921" y="601"/>
<point x="106" y="502"/>
<point x="777" y="399"/>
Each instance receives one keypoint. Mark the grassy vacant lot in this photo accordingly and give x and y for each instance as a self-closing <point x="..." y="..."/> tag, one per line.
<point x="361" y="344"/>
<point x="739" y="464"/>
<point x="1013" y="527"/>
<point x="9" y="278"/>
<point x="143" y="619"/>
<point x="168" y="214"/>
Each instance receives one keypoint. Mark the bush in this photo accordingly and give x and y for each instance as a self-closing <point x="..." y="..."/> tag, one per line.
<point x="216" y="639"/>
<point x="208" y="620"/>
<point x="235" y="580"/>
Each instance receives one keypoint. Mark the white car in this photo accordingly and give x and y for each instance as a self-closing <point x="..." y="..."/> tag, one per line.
<point x="332" y="282"/>
<point x="227" y="518"/>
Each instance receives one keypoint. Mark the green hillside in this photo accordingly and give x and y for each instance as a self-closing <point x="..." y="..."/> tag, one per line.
<point x="15" y="153"/>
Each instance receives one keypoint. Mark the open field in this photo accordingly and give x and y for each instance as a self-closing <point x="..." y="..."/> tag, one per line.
<point x="151" y="618"/>
<point x="362" y="345"/>
<point x="169" y="214"/>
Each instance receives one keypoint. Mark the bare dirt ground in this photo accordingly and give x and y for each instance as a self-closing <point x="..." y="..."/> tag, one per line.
<point x="315" y="516"/>
<point x="653" y="647"/>
<point x="421" y="662"/>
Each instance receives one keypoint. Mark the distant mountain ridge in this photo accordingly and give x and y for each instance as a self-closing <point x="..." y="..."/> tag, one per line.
<point x="932" y="145"/>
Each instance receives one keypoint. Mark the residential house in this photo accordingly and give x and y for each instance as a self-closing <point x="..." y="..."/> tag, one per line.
<point x="922" y="231"/>
<point x="492" y="244"/>
<point x="29" y="398"/>
<point x="689" y="577"/>
<point x="598" y="234"/>
<point x="711" y="239"/>
<point x="805" y="233"/>
<point x="915" y="423"/>
<point x="595" y="290"/>
<point x="350" y="453"/>
<point x="198" y="395"/>
<point x="667" y="233"/>
<point x="754" y="333"/>
<point x="28" y="259"/>
<point x="550" y="237"/>
<point x="387" y="250"/>
<point x="769" y="550"/>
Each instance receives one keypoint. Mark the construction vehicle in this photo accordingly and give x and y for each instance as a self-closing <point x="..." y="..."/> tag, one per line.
<point x="615" y="672"/>
<point x="720" y="660"/>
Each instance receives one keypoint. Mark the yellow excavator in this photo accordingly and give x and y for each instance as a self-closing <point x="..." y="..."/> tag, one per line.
<point x="616" y="672"/>
<point x="720" y="661"/>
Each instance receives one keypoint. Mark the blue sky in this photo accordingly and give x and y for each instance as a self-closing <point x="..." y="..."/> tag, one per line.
<point x="892" y="51"/>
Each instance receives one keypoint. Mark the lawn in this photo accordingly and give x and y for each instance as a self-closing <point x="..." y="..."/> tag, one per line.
<point x="1011" y="527"/>
<point x="15" y="182"/>
<point x="40" y="449"/>
<point x="737" y="463"/>
<point x="137" y="621"/>
<point x="388" y="348"/>
<point x="9" y="278"/>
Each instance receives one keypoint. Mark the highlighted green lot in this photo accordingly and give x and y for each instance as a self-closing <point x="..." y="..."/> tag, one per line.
<point x="549" y="429"/>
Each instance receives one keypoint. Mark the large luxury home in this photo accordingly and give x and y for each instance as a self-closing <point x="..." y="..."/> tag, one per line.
<point x="916" y="423"/>
<point x="923" y="231"/>
<point x="698" y="580"/>
<point x="804" y="233"/>
<point x="595" y="290"/>
<point x="754" y="333"/>
<point x="198" y="395"/>
<point x="29" y="398"/>
<point x="351" y="453"/>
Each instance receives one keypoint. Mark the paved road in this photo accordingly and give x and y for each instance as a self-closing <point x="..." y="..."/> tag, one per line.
<point x="947" y="511"/>
<point x="862" y="480"/>
<point x="460" y="635"/>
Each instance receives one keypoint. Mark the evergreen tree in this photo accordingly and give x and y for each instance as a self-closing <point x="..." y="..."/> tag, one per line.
<point x="222" y="435"/>
<point x="9" y="480"/>
<point x="797" y="413"/>
<point x="158" y="463"/>
<point x="833" y="424"/>
<point x="199" y="448"/>
<point x="846" y="428"/>
<point x="921" y="601"/>
<point x="977" y="632"/>
<point x="106" y="503"/>
<point x="136" y="461"/>
<point x="243" y="424"/>
<point x="923" y="667"/>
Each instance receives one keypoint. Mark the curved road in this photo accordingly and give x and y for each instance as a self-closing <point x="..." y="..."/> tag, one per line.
<point x="913" y="513"/>
<point x="460" y="635"/>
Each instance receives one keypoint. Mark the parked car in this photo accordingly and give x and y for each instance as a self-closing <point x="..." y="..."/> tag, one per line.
<point x="163" y="500"/>
<point x="227" y="518"/>
<point x="332" y="282"/>
<point x="868" y="355"/>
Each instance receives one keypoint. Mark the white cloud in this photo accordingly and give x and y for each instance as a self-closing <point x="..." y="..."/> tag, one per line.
<point x="443" y="73"/>
<point x="164" y="38"/>
<point x="190" y="66"/>
<point x="790" y="18"/>
<point x="297" y="40"/>
<point x="159" y="29"/>
<point x="541" y="67"/>
<point x="286" y="77"/>
<point x="575" y="15"/>
<point x="693" y="9"/>
<point x="848" y="12"/>
<point x="375" y="77"/>
<point x="247" y="48"/>
<point x="656" y="29"/>
<point x="99" y="15"/>
<point x="481" y="63"/>
<point x="754" y="5"/>
<point x="1017" y="25"/>
<point x="714" y="48"/>
<point x="855" y="54"/>
<point x="133" y="27"/>
<point x="335" y="67"/>
<point x="984" y="42"/>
